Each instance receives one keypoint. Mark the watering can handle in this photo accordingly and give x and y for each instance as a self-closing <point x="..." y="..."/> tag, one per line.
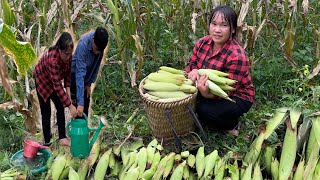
<point x="84" y="115"/>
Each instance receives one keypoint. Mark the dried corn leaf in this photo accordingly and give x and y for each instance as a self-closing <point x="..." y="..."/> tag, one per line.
<point x="22" y="53"/>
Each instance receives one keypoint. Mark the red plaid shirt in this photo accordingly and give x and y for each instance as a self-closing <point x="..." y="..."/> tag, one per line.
<point x="231" y="58"/>
<point x="49" y="72"/>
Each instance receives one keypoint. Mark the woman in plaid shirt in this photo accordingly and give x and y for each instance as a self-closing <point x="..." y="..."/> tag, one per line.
<point x="220" y="51"/>
<point x="53" y="67"/>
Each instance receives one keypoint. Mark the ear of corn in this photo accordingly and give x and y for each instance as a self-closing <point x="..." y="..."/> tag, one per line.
<point x="160" y="77"/>
<point x="142" y="159"/>
<point x="161" y="86"/>
<point x="149" y="96"/>
<point x="294" y="117"/>
<point x="58" y="166"/>
<point x="169" y="165"/>
<point x="210" y="162"/>
<point x="191" y="161"/>
<point x="132" y="174"/>
<point x="273" y="123"/>
<point x="311" y="142"/>
<point x="219" y="169"/>
<point x="102" y="166"/>
<point x="216" y="90"/>
<point x="168" y="94"/>
<point x="219" y="73"/>
<point x="316" y="125"/>
<point x="257" y="175"/>
<point x="73" y="175"/>
<point x="156" y="159"/>
<point x="170" y="99"/>
<point x="200" y="161"/>
<point x="228" y="81"/>
<point x="316" y="174"/>
<point x="269" y="152"/>
<point x="275" y="168"/>
<point x="234" y="170"/>
<point x="116" y="168"/>
<point x="254" y="151"/>
<point x="147" y="175"/>
<point x="186" y="172"/>
<point x="178" y="172"/>
<point x="247" y="172"/>
<point x="312" y="162"/>
<point x="288" y="153"/>
<point x="159" y="172"/>
<point x="226" y="87"/>
<point x="83" y="169"/>
<point x="172" y="70"/>
<point x="188" y="81"/>
<point x="150" y="154"/>
<point x="153" y="143"/>
<point x="185" y="154"/>
<point x="112" y="160"/>
<point x="298" y="175"/>
<point x="213" y="77"/>
<point x="187" y="88"/>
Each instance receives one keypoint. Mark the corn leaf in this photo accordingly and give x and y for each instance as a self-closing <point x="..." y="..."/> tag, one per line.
<point x="22" y="53"/>
<point x="8" y="15"/>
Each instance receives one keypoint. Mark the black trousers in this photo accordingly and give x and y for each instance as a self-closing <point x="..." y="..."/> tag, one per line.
<point x="46" y="114"/>
<point x="73" y="90"/>
<point x="221" y="114"/>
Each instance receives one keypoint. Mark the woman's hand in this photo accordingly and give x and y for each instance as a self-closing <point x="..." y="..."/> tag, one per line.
<point x="193" y="75"/>
<point x="80" y="110"/>
<point x="73" y="110"/>
<point x="203" y="87"/>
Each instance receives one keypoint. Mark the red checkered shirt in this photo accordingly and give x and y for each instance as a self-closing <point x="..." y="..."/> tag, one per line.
<point x="49" y="73"/>
<point x="231" y="58"/>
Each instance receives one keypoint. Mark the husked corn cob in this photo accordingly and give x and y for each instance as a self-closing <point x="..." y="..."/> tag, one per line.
<point x="172" y="70"/>
<point x="187" y="88"/>
<point x="161" y="86"/>
<point x="213" y="77"/>
<point x="168" y="94"/>
<point x="200" y="161"/>
<point x="219" y="73"/>
<point x="178" y="172"/>
<point x="161" y="77"/>
<point x="288" y="153"/>
<point x="216" y="90"/>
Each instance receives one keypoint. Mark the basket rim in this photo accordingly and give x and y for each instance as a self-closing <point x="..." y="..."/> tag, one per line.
<point x="141" y="91"/>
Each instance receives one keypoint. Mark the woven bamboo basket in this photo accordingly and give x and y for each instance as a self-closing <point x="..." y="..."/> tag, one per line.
<point x="179" y="113"/>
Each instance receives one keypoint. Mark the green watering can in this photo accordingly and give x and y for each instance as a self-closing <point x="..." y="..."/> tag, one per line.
<point x="78" y="132"/>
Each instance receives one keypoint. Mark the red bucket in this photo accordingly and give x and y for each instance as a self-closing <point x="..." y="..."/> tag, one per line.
<point x="31" y="148"/>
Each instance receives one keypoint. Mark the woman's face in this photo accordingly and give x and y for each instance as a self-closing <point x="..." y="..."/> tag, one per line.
<point x="65" y="54"/>
<point x="219" y="29"/>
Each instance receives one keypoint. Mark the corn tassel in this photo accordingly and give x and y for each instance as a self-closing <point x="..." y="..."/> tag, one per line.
<point x="288" y="153"/>
<point x="178" y="172"/>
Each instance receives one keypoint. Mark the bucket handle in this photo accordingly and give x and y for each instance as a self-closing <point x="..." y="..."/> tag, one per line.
<point x="196" y="121"/>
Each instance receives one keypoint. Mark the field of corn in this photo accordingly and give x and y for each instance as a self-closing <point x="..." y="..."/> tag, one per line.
<point x="282" y="38"/>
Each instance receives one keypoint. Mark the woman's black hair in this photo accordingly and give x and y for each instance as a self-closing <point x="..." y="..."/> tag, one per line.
<point x="229" y="15"/>
<point x="64" y="42"/>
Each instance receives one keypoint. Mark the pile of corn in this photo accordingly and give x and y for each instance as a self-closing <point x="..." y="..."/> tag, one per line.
<point x="168" y="84"/>
<point x="297" y="158"/>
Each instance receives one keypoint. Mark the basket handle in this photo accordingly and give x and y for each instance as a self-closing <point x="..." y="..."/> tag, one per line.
<point x="196" y="121"/>
<point x="177" y="139"/>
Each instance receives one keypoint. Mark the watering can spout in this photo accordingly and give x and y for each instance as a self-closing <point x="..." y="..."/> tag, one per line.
<point x="103" y="122"/>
